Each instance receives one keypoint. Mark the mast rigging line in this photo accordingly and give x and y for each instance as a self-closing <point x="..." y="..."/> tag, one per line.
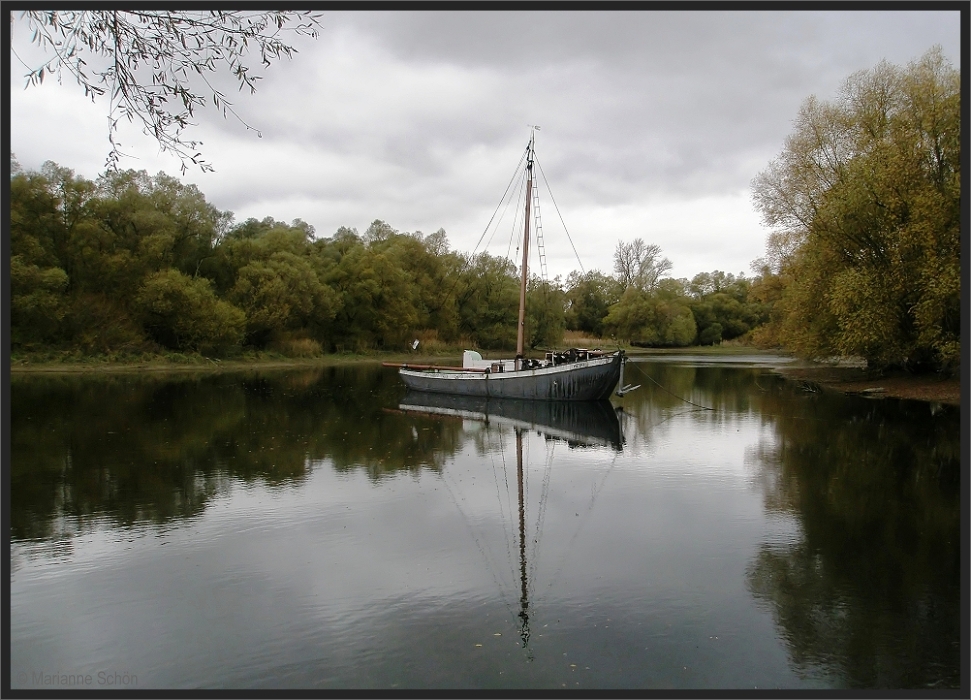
<point x="549" y="189"/>
<point x="509" y="558"/>
<point x="583" y="520"/>
<point x="503" y="199"/>
<point x="471" y="256"/>
<point x="517" y="226"/>
<point x="518" y="171"/>
<point x="541" y="516"/>
<point x="490" y="565"/>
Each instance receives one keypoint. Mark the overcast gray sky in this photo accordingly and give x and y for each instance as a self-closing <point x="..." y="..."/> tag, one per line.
<point x="653" y="123"/>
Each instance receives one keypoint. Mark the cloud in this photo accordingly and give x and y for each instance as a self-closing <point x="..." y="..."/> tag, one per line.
<point x="654" y="123"/>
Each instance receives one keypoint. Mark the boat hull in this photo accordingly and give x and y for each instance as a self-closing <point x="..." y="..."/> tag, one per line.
<point x="588" y="380"/>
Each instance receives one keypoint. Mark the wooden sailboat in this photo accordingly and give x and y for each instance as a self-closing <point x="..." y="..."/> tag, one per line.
<point x="578" y="374"/>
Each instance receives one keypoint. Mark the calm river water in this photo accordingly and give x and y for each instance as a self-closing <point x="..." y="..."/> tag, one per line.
<point x="324" y="529"/>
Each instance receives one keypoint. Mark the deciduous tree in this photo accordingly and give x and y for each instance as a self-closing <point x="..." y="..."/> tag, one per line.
<point x="639" y="265"/>
<point x="589" y="297"/>
<point x="866" y="196"/>
<point x="659" y="318"/>
<point x="545" y="319"/>
<point x="184" y="314"/>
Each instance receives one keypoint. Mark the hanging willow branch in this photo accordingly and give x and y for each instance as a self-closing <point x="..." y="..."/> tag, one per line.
<point x="149" y="60"/>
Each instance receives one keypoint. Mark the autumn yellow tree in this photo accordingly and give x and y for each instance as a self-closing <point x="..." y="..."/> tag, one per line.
<point x="865" y="196"/>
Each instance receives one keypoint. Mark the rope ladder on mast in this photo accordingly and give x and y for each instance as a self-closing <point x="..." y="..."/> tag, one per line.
<point x="540" y="246"/>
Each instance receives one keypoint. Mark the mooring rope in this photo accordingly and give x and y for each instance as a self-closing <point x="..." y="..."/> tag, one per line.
<point x="707" y="408"/>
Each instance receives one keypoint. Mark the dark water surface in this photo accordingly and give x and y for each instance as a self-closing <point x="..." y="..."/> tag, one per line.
<point x="321" y="529"/>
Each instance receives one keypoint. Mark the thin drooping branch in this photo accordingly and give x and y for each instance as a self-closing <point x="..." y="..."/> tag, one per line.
<point x="151" y="59"/>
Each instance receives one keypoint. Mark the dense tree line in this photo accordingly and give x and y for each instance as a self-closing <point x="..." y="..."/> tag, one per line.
<point x="640" y="306"/>
<point x="865" y="203"/>
<point x="133" y="263"/>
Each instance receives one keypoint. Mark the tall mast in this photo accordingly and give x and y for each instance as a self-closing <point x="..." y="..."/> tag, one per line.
<point x="520" y="331"/>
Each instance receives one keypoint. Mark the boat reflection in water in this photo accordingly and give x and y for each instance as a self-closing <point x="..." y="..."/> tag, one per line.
<point x="587" y="423"/>
<point x="592" y="423"/>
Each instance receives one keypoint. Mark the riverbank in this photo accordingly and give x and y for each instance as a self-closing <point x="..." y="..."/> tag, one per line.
<point x="73" y="363"/>
<point x="845" y="379"/>
<point x="197" y="363"/>
<point x="897" y="385"/>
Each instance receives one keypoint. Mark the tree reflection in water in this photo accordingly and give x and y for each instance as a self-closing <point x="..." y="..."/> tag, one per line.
<point x="871" y="591"/>
<point x="135" y="448"/>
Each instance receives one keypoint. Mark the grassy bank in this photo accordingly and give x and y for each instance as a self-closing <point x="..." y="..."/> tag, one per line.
<point x="75" y="361"/>
<point x="177" y="362"/>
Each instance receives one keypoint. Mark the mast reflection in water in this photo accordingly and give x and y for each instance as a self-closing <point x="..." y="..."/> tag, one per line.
<point x="589" y="423"/>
